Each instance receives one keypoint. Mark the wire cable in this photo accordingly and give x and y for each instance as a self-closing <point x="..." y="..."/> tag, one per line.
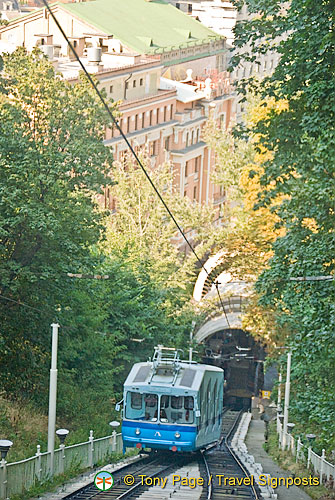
<point x="115" y="122"/>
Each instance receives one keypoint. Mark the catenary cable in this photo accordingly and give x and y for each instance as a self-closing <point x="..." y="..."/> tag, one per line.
<point x="115" y="122"/>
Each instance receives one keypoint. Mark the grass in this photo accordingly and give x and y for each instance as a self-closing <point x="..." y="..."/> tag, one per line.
<point x="285" y="460"/>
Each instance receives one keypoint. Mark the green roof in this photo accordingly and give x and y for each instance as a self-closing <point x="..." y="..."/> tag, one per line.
<point x="142" y="25"/>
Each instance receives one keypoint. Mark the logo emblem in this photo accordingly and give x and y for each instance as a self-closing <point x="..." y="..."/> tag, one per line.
<point x="158" y="434"/>
<point x="103" y="480"/>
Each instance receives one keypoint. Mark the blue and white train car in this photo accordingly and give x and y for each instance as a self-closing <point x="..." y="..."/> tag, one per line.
<point x="172" y="404"/>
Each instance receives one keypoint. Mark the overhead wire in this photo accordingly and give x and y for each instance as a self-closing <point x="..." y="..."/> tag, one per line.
<point x="115" y="122"/>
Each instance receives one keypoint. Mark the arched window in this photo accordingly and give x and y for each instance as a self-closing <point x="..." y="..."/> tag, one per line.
<point x="215" y="397"/>
<point x="208" y="403"/>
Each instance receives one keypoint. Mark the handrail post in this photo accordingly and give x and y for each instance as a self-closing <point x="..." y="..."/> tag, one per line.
<point x="3" y="485"/>
<point x="114" y="441"/>
<point x="298" y="449"/>
<point x="309" y="457"/>
<point x="323" y="458"/>
<point x="90" y="449"/>
<point x="38" y="462"/>
<point x="62" y="458"/>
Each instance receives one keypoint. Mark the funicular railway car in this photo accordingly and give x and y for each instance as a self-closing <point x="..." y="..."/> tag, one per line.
<point x="172" y="404"/>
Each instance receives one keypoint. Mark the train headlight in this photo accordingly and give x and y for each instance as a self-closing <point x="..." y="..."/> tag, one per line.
<point x="137" y="432"/>
<point x="177" y="435"/>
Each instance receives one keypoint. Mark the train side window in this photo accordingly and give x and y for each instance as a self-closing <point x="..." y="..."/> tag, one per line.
<point x="215" y="399"/>
<point x="208" y="402"/>
<point x="136" y="400"/>
<point x="176" y="402"/>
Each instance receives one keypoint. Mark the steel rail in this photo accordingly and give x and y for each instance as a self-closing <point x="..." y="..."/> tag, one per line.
<point x="225" y="439"/>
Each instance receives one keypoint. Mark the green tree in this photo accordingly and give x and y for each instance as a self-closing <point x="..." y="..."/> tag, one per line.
<point x="143" y="233"/>
<point x="52" y="162"/>
<point x="301" y="169"/>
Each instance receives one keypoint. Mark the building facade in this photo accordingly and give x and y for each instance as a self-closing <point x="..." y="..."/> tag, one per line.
<point x="167" y="75"/>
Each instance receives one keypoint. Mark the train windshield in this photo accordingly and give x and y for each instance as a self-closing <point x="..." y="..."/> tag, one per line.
<point x="142" y="406"/>
<point x="171" y="409"/>
<point x="177" y="409"/>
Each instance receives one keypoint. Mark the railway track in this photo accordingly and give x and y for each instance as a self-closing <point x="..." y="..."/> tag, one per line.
<point x="151" y="467"/>
<point x="227" y="479"/>
<point x="217" y="464"/>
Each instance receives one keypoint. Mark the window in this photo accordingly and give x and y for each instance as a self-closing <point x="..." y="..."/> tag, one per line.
<point x="141" y="82"/>
<point x="157" y="115"/>
<point x="192" y="137"/>
<point x="178" y="5"/>
<point x="187" y="140"/>
<point x="215" y="400"/>
<point x="136" y="122"/>
<point x="134" y="406"/>
<point x="151" y="407"/>
<point x="143" y="118"/>
<point x="75" y="43"/>
<point x="176" y="409"/>
<point x="189" y="403"/>
<point x="128" y="124"/>
<point x="171" y="112"/>
<point x="165" y="110"/>
<point x="189" y="8"/>
<point x="167" y="143"/>
<point x="136" y="400"/>
<point x="197" y="164"/>
<point x="150" y="118"/>
<point x="111" y="89"/>
<point x="195" y="193"/>
<point x="134" y="83"/>
<point x="186" y="169"/>
<point x="176" y="402"/>
<point x="153" y="148"/>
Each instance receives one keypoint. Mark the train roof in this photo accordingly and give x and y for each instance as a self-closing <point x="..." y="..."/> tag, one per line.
<point x="182" y="375"/>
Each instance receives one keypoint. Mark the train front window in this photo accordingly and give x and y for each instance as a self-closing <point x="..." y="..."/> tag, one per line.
<point x="177" y="409"/>
<point x="172" y="409"/>
<point x="151" y="407"/>
<point x="134" y="406"/>
<point x="141" y="406"/>
<point x="136" y="400"/>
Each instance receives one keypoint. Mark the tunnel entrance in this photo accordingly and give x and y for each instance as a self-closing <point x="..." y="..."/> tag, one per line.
<point x="242" y="359"/>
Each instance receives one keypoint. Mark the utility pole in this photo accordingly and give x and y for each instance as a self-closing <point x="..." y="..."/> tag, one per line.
<point x="53" y="396"/>
<point x="279" y="390"/>
<point x="191" y="338"/>
<point x="287" y="398"/>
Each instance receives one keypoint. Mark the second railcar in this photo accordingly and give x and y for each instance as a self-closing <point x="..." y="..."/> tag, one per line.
<point x="172" y="404"/>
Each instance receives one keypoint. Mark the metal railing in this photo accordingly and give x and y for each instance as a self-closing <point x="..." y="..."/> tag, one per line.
<point x="305" y="454"/>
<point x="17" y="477"/>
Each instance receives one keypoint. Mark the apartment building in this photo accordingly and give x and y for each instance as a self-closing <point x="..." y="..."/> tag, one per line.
<point x="166" y="70"/>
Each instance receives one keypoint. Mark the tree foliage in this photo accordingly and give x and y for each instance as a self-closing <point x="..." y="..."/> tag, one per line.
<point x="300" y="174"/>
<point x="51" y="162"/>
